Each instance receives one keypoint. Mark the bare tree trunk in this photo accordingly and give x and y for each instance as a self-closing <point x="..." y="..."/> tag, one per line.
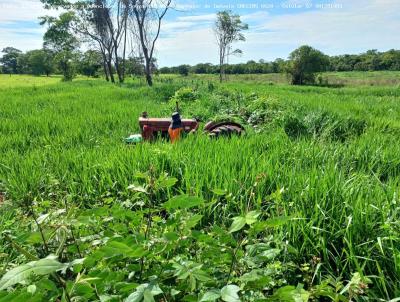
<point x="149" y="78"/>
<point x="106" y="70"/>
<point x="124" y="52"/>
<point x="220" y="71"/>
<point x="143" y="14"/>
<point x="105" y="67"/>
<point x="110" y="70"/>
<point x="221" y="63"/>
<point x="118" y="67"/>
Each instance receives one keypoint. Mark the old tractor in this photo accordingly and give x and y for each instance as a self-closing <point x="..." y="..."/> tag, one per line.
<point x="153" y="128"/>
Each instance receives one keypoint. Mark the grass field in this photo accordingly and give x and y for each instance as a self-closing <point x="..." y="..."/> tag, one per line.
<point x="319" y="168"/>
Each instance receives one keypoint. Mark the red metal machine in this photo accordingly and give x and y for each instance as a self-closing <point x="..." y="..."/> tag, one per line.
<point x="152" y="128"/>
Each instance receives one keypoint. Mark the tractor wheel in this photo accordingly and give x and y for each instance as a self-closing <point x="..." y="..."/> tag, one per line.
<point x="226" y="131"/>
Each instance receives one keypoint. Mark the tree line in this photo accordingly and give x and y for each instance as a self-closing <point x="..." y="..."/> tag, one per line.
<point x="372" y="60"/>
<point x="90" y="63"/>
<point x="45" y="62"/>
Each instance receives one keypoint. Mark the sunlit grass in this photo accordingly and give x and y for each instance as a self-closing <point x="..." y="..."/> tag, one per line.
<point x="344" y="194"/>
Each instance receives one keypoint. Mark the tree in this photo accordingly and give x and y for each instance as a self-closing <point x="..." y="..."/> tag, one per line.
<point x="228" y="29"/>
<point x="106" y="24"/>
<point x="304" y="62"/>
<point x="147" y="17"/>
<point x="135" y="66"/>
<point x="183" y="70"/>
<point x="391" y="60"/>
<point x="90" y="63"/>
<point x="9" y="60"/>
<point x="203" y="68"/>
<point x="40" y="61"/>
<point x="103" y="23"/>
<point x="60" y="38"/>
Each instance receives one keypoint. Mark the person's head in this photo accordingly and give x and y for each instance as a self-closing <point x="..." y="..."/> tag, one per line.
<point x="176" y="121"/>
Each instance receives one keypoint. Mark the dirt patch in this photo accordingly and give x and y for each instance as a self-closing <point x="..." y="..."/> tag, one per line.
<point x="2" y="198"/>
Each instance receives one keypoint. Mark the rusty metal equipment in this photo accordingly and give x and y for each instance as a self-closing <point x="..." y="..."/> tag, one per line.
<point x="152" y="128"/>
<point x="226" y="128"/>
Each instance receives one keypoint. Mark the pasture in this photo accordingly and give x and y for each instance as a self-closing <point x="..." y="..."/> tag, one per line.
<point x="305" y="204"/>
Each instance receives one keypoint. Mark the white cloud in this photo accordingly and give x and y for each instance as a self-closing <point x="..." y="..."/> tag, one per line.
<point x="360" y="25"/>
<point x="198" y="18"/>
<point x="254" y="17"/>
<point x="186" y="23"/>
<point x="169" y="27"/>
<point x="349" y="28"/>
<point x="187" y="47"/>
<point x="19" y="23"/>
<point x="21" y="10"/>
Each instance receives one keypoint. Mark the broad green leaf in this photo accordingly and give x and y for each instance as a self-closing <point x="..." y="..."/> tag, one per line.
<point x="251" y="217"/>
<point x="291" y="294"/>
<point x="171" y="236"/>
<point x="181" y="271"/>
<point x="147" y="296"/>
<point x="108" y="298"/>
<point x="113" y="248"/>
<point x="229" y="293"/>
<point x="166" y="182"/>
<point x="201" y="275"/>
<point x="137" y="296"/>
<point x="144" y="292"/>
<point x="190" y="298"/>
<point x="31" y="289"/>
<point x="270" y="253"/>
<point x="183" y="202"/>
<point x="193" y="220"/>
<point x="238" y="223"/>
<point x="23" y="272"/>
<point x="270" y="223"/>
<point x="211" y="295"/>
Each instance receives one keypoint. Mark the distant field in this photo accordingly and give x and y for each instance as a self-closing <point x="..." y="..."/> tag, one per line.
<point x="7" y="81"/>
<point x="373" y="78"/>
<point x="327" y="158"/>
<point x="353" y="78"/>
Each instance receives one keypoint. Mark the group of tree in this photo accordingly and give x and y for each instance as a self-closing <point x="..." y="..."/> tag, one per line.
<point x="118" y="31"/>
<point x="301" y="65"/>
<point x="250" y="67"/>
<point x="47" y="62"/>
<point x="36" y="62"/>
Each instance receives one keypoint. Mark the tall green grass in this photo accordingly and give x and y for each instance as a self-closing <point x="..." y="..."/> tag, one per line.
<point x="64" y="141"/>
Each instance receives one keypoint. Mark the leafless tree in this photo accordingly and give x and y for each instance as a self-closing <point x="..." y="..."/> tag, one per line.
<point x="105" y="22"/>
<point x="228" y="29"/>
<point x="147" y="16"/>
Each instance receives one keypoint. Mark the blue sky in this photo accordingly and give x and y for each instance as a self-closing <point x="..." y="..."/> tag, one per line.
<point x="276" y="27"/>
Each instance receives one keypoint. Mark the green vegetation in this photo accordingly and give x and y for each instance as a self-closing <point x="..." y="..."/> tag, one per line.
<point x="304" y="63"/>
<point x="372" y="60"/>
<point x="304" y="207"/>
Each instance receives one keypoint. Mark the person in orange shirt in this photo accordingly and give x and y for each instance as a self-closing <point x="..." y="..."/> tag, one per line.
<point x="175" y="128"/>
